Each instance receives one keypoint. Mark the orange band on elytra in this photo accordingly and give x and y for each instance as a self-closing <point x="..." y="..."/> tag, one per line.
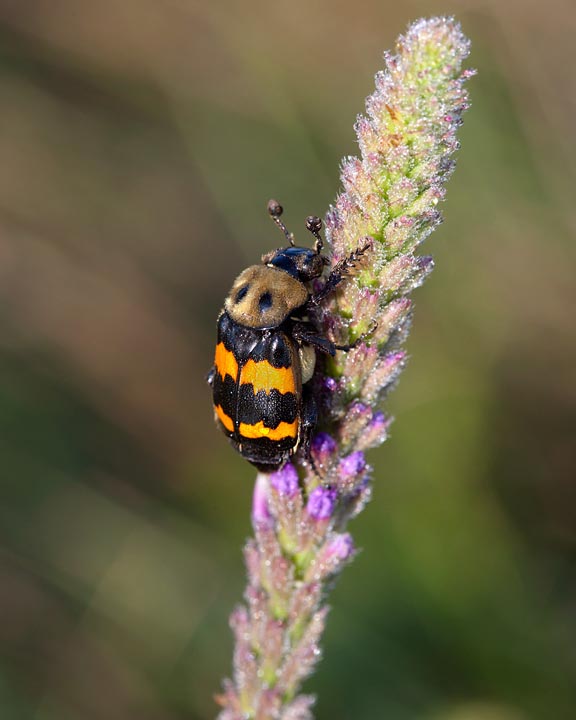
<point x="225" y="362"/>
<point x="264" y="376"/>
<point x="259" y="430"/>
<point x="224" y="419"/>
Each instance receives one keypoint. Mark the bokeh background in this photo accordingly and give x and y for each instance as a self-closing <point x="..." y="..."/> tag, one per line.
<point x="139" y="143"/>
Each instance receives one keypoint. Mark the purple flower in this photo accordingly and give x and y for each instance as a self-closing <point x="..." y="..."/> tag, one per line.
<point x="323" y="443"/>
<point x="321" y="503"/>
<point x="393" y="359"/>
<point x="323" y="448"/>
<point x="329" y="384"/>
<point x="285" y="480"/>
<point x="358" y="416"/>
<point x="260" y="510"/>
<point x="379" y="422"/>
<point x="352" y="465"/>
<point x="340" y="547"/>
<point x="330" y="558"/>
<point x="376" y="431"/>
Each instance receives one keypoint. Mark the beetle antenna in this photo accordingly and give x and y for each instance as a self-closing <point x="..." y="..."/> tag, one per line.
<point x="275" y="210"/>
<point x="314" y="224"/>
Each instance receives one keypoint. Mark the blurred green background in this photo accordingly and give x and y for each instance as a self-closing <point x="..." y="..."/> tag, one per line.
<point x="139" y="144"/>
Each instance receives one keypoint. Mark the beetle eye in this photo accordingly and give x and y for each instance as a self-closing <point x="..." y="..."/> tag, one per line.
<point x="265" y="302"/>
<point x="241" y="294"/>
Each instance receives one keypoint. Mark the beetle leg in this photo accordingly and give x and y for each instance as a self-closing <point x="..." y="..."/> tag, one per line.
<point x="305" y="333"/>
<point x="339" y="272"/>
<point x="210" y="376"/>
<point x="308" y="420"/>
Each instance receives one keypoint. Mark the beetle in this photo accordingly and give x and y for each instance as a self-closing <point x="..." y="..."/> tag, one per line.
<point x="266" y="349"/>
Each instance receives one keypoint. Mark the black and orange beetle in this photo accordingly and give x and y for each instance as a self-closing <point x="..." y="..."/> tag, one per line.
<point x="266" y="350"/>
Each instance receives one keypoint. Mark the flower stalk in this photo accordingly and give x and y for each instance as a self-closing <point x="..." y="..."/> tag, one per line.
<point x="300" y="513"/>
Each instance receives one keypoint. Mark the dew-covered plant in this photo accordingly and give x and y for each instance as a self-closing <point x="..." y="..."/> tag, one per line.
<point x="300" y="513"/>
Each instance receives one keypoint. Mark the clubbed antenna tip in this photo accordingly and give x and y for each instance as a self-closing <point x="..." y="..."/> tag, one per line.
<point x="314" y="225"/>
<point x="275" y="210"/>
